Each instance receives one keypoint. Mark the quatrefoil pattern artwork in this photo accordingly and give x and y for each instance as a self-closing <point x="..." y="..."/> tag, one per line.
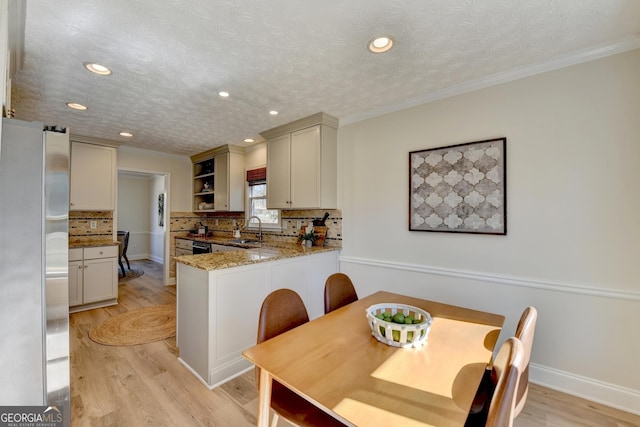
<point x="459" y="188"/>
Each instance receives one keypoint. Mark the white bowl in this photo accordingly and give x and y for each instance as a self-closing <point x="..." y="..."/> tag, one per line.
<point x="399" y="334"/>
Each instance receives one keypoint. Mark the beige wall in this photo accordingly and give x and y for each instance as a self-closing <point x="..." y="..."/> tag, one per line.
<point x="573" y="144"/>
<point x="177" y="167"/>
<point x="4" y="54"/>
<point x="157" y="235"/>
<point x="256" y="156"/>
<point x="134" y="204"/>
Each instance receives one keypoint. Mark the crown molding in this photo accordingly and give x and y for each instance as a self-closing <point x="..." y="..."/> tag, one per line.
<point x="93" y="140"/>
<point x="306" y="122"/>
<point x="563" y="61"/>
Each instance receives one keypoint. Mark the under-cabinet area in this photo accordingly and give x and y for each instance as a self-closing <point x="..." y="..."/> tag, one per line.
<point x="93" y="277"/>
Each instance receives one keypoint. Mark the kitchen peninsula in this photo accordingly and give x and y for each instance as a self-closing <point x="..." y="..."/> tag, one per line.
<point x="219" y="296"/>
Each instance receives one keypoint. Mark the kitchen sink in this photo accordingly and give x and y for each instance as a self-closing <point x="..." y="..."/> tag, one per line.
<point x="244" y="241"/>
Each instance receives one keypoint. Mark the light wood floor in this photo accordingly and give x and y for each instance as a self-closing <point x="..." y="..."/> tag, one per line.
<point x="146" y="385"/>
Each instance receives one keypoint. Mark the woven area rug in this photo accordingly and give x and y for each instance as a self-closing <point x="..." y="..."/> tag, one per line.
<point x="140" y="326"/>
<point x="130" y="274"/>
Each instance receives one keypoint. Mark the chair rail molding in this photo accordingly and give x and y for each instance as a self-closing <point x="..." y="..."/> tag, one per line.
<point x="498" y="279"/>
<point x="610" y="310"/>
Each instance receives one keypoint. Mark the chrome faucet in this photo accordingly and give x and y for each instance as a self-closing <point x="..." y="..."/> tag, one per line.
<point x="259" y="226"/>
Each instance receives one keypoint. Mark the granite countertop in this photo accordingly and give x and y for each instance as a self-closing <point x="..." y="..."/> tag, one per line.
<point x="219" y="240"/>
<point x="258" y="253"/>
<point x="90" y="243"/>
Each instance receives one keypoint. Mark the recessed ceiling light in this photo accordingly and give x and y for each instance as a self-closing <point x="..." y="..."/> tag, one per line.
<point x="249" y="140"/>
<point x="380" y="44"/>
<point x="76" y="106"/>
<point x="273" y="112"/>
<point x="126" y="134"/>
<point x="223" y="94"/>
<point x="97" y="68"/>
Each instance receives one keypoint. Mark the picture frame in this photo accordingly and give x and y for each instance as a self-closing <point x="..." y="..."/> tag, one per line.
<point x="161" y="198"/>
<point x="459" y="188"/>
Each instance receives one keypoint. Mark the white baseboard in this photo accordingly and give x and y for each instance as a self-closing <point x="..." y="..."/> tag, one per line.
<point x="545" y="294"/>
<point x="612" y="395"/>
<point x="156" y="258"/>
<point x="138" y="257"/>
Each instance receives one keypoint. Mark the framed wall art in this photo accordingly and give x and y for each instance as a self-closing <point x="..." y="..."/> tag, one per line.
<point x="161" y="197"/>
<point x="460" y="188"/>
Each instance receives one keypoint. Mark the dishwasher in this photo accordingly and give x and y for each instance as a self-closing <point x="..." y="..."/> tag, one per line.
<point x="201" y="248"/>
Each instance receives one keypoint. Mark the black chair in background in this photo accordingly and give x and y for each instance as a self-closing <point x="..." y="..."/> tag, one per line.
<point x="123" y="238"/>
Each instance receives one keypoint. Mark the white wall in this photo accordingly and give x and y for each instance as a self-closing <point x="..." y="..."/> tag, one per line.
<point x="256" y="156"/>
<point x="134" y="204"/>
<point x="156" y="236"/>
<point x="4" y="54"/>
<point x="573" y="144"/>
<point x="177" y="167"/>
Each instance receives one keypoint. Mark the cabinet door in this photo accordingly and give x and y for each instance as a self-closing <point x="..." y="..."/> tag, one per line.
<point x="75" y="283"/>
<point x="221" y="183"/>
<point x="278" y="173"/>
<point x="100" y="279"/>
<point x="92" y="175"/>
<point x="305" y="168"/>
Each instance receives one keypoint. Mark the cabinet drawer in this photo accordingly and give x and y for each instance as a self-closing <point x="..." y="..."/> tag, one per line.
<point x="184" y="244"/>
<point x="101" y="252"/>
<point x="181" y="252"/>
<point x="75" y="254"/>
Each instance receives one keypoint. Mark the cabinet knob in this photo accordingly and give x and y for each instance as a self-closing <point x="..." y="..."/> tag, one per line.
<point x="101" y="252"/>
<point x="72" y="204"/>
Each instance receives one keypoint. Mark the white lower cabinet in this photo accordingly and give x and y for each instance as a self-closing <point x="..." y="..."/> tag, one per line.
<point x="93" y="277"/>
<point x="184" y="247"/>
<point x="221" y="248"/>
<point x="218" y="310"/>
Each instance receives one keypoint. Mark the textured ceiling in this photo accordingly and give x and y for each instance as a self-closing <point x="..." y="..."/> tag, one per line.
<point x="170" y="58"/>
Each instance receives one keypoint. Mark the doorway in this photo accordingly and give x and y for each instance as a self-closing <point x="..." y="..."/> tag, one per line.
<point x="142" y="210"/>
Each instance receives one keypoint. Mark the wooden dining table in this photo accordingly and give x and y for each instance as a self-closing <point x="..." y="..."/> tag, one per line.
<point x="335" y="363"/>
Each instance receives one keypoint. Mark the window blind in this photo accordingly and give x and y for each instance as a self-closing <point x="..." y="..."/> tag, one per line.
<point x="257" y="176"/>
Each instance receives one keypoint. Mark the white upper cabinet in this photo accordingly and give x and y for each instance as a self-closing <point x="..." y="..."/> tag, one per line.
<point x="302" y="164"/>
<point x="92" y="177"/>
<point x="278" y="172"/>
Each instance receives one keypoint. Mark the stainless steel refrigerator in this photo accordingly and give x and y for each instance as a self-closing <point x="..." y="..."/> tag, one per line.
<point x="34" y="236"/>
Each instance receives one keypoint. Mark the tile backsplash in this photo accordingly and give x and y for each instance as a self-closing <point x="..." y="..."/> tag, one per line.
<point x="221" y="224"/>
<point x="180" y="223"/>
<point x="80" y="225"/>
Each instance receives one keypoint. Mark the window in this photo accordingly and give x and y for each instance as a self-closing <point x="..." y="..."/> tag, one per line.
<point x="257" y="201"/>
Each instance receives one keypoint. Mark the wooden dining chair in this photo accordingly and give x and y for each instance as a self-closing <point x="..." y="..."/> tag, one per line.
<point x="525" y="331"/>
<point x="338" y="292"/>
<point x="281" y="311"/>
<point x="508" y="366"/>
